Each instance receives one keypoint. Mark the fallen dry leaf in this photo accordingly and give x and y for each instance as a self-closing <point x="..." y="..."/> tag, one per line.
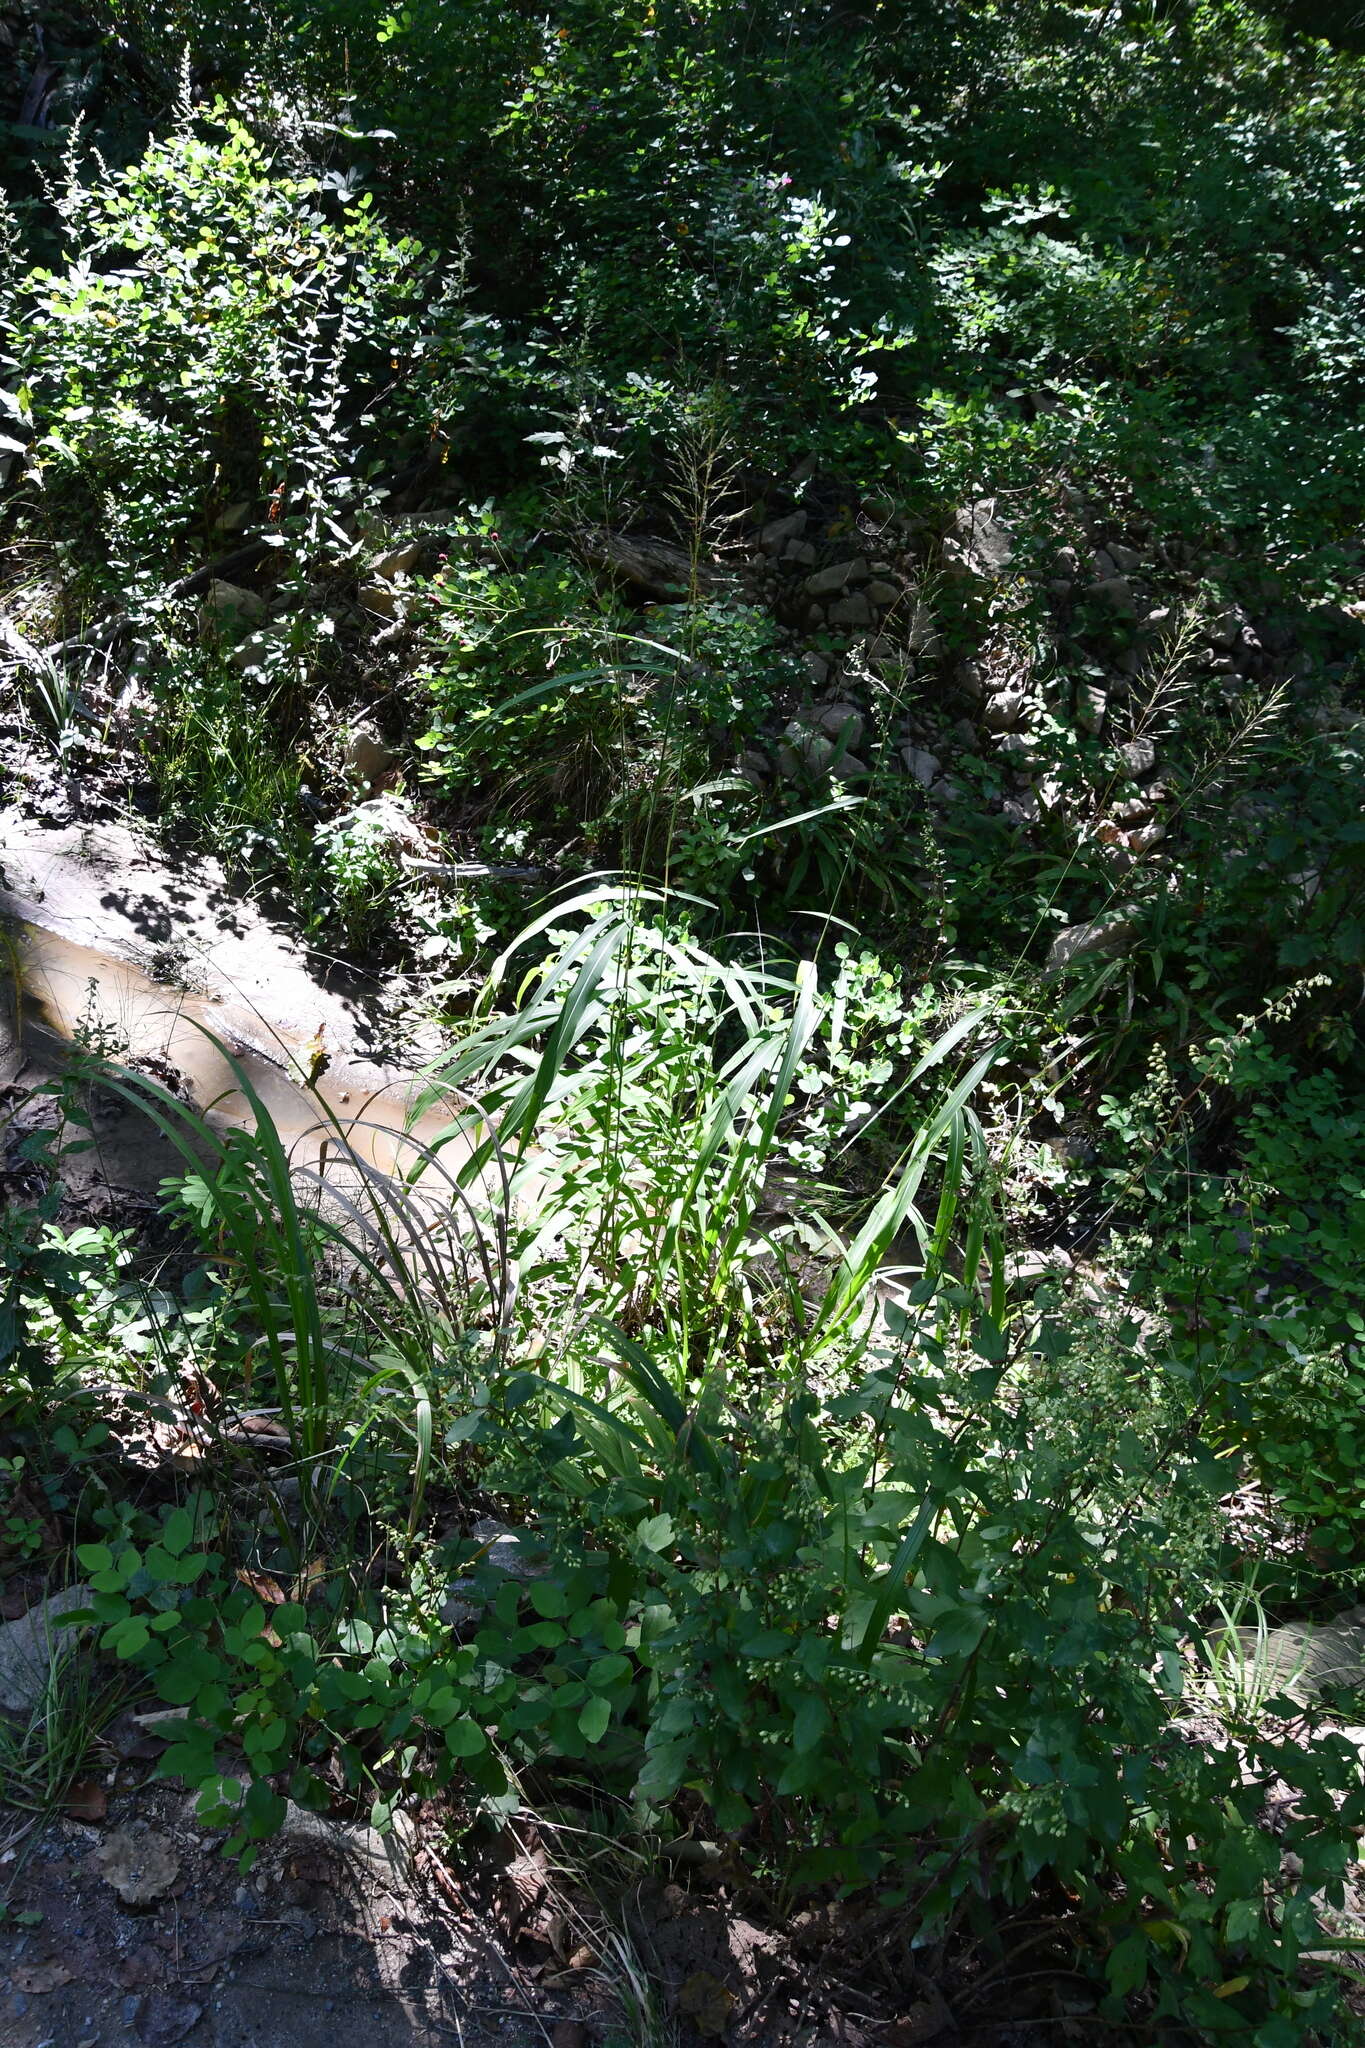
<point x="141" y="1866"/>
<point x="263" y="1430"/>
<point x="264" y="1587"/>
<point x="36" y="1978"/>
<point x="86" y="1800"/>
<point x="307" y="1579"/>
<point x="270" y="1592"/>
<point x="926" y="2020"/>
<point x="705" y="2001"/>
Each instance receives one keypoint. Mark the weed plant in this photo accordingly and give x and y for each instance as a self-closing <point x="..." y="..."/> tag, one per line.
<point x="838" y="1554"/>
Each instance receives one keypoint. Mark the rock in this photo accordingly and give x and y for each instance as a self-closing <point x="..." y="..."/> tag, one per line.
<point x="985" y="543"/>
<point x="1103" y="939"/>
<point x="515" y="1553"/>
<point x="1117" y="593"/>
<point x="399" y="561"/>
<point x="1091" y="706"/>
<point x="1159" y="623"/>
<point x="817" y="666"/>
<point x="1302" y="1658"/>
<point x="227" y="608"/>
<point x="140" y="1864"/>
<point x="808" y="755"/>
<point x="923" y="768"/>
<point x="1134" y="810"/>
<point x="1068" y="563"/>
<point x="755" y="767"/>
<point x="800" y="553"/>
<point x="970" y="681"/>
<point x="32" y="1646"/>
<point x="883" y="594"/>
<point x="1146" y="837"/>
<point x="1104" y="565"/>
<point x="887" y="660"/>
<point x="842" y="721"/>
<point x="1031" y="1268"/>
<point x="1126" y="560"/>
<point x="367" y="758"/>
<point x="190" y="973"/>
<point x="164" y="2017"/>
<point x="814" y="755"/>
<point x="1004" y="711"/>
<point x="386" y="1857"/>
<point x="852" y="611"/>
<point x="382" y="590"/>
<point x="1138" y="758"/>
<point x="234" y="518"/>
<point x="510" y="1553"/>
<point x="836" y="576"/>
<point x="924" y="637"/>
<point x="1226" y="629"/>
<point x="778" y="532"/>
<point x="389" y="822"/>
<point x="1022" y="810"/>
<point x="253" y="654"/>
<point x="1017" y="746"/>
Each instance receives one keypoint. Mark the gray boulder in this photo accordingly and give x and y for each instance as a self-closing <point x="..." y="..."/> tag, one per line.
<point x="228" y="608"/>
<point x="33" y="1647"/>
<point x="507" y="1552"/>
<point x="382" y="590"/>
<point x="1091" y="706"/>
<point x="842" y="721"/>
<point x="1117" y="593"/>
<point x="778" y="532"/>
<point x="367" y="758"/>
<point x="853" y="611"/>
<point x="836" y="576"/>
<point x="922" y="767"/>
<point x="924" y="637"/>
<point x="1105" y="938"/>
<point x="1302" y="1659"/>
<point x="1004" y="711"/>
<point x="984" y="544"/>
<point x="1138" y="758"/>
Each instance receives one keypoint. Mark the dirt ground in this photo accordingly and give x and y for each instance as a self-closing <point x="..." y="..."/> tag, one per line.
<point x="132" y="1930"/>
<point x="309" y="1950"/>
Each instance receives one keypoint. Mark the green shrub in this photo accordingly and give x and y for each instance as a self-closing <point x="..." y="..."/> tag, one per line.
<point x="210" y="343"/>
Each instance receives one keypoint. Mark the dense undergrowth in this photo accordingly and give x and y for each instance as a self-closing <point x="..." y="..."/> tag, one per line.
<point x="798" y="574"/>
